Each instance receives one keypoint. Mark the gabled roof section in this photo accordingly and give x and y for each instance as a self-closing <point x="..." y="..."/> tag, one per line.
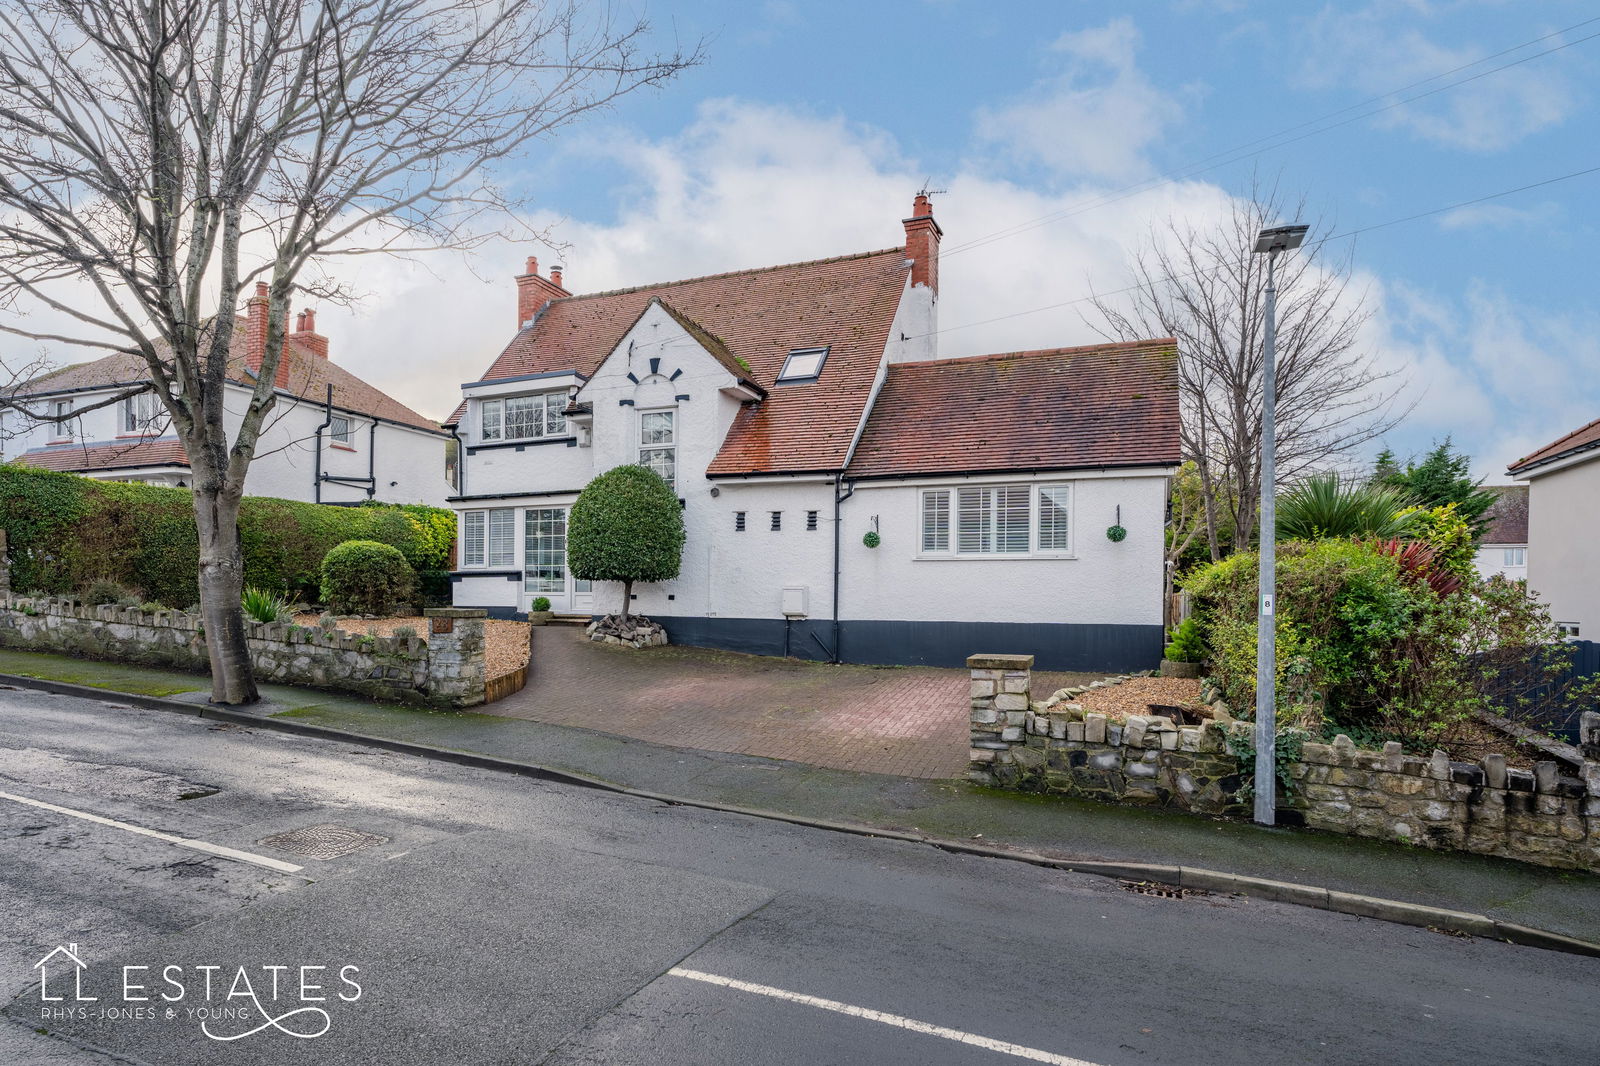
<point x="1583" y="439"/>
<point x="1506" y="520"/>
<point x="111" y="455"/>
<point x="755" y="317"/>
<point x="1108" y="405"/>
<point x="712" y="344"/>
<point x="309" y="376"/>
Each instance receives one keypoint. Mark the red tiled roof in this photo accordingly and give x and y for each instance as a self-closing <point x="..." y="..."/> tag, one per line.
<point x="1582" y="439"/>
<point x="1059" y="409"/>
<point x="118" y="455"/>
<point x="758" y="316"/>
<point x="1506" y="520"/>
<point x="309" y="378"/>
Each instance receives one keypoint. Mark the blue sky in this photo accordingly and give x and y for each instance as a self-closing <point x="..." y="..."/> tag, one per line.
<point x="810" y="125"/>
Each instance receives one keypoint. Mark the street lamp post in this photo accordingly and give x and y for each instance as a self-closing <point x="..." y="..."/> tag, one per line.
<point x="1270" y="242"/>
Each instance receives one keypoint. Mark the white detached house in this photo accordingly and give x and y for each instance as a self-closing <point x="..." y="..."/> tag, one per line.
<point x="847" y="495"/>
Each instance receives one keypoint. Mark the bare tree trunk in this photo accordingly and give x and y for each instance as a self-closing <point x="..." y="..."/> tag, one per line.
<point x="627" y="599"/>
<point x="221" y="589"/>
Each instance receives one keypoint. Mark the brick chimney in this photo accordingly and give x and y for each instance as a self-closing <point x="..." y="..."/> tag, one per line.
<point x="305" y="332"/>
<point x="255" y="336"/>
<point x="533" y="292"/>
<point x="922" y="243"/>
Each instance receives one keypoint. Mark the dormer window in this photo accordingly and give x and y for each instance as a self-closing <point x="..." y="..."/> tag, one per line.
<point x="802" y="364"/>
<point x="525" y="417"/>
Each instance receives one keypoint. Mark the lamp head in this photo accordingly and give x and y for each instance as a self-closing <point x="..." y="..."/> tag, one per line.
<point x="1280" y="238"/>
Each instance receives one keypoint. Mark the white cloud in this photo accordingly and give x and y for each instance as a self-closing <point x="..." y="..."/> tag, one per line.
<point x="1377" y="48"/>
<point x="1499" y="216"/>
<point x="1095" y="117"/>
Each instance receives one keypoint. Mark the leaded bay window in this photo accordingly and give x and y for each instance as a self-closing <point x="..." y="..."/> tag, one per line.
<point x="489" y="538"/>
<point x="524" y="417"/>
<point x="997" y="520"/>
<point x="658" y="443"/>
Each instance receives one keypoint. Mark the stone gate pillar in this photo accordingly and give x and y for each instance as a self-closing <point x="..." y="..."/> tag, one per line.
<point x="457" y="670"/>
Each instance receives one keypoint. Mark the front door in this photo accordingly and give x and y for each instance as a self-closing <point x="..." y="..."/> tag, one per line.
<point x="545" y="570"/>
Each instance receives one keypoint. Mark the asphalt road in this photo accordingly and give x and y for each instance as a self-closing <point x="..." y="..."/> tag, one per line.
<point x="502" y="920"/>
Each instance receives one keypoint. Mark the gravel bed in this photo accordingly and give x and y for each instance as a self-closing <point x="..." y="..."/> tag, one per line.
<point x="505" y="642"/>
<point x="1135" y="695"/>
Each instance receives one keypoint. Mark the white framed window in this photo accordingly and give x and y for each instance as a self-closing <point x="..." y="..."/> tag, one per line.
<point x="473" y="538"/>
<point x="339" y="429"/>
<point x="140" y="412"/>
<point x="658" y="443"/>
<point x="997" y="520"/>
<point x="61" y="412"/>
<point x="489" y="538"/>
<point x="1514" y="557"/>
<point x="803" y="364"/>
<point x="524" y="417"/>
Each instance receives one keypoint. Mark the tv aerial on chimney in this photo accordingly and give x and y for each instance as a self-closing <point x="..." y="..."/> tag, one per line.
<point x="925" y="191"/>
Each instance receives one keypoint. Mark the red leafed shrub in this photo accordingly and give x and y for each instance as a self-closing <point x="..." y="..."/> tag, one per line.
<point x="1419" y="564"/>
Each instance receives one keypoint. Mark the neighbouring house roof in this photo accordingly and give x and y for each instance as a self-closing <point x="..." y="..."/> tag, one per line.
<point x="1106" y="405"/>
<point x="1506" y="520"/>
<point x="749" y="320"/>
<point x="1583" y="439"/>
<point x="108" y="455"/>
<point x="309" y="376"/>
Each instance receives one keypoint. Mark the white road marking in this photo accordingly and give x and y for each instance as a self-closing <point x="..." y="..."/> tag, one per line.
<point x="986" y="1043"/>
<point x="182" y="842"/>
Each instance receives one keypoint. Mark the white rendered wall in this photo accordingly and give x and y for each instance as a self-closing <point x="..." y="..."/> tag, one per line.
<point x="1490" y="562"/>
<point x="1563" y="568"/>
<point x="1107" y="583"/>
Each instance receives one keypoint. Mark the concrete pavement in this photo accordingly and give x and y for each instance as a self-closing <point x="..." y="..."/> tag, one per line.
<point x="516" y="921"/>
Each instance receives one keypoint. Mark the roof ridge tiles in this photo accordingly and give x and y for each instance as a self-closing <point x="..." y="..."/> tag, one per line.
<point x="726" y="274"/>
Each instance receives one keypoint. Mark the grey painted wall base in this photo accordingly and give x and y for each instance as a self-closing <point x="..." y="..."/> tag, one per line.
<point x="1054" y="646"/>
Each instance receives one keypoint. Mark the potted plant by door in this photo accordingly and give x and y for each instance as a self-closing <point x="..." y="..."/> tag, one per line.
<point x="539" y="613"/>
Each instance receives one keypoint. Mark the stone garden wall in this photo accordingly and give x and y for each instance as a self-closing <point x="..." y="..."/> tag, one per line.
<point x="1550" y="816"/>
<point x="447" y="670"/>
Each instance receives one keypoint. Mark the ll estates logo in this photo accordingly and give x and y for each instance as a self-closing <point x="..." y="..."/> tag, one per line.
<point x="227" y="1002"/>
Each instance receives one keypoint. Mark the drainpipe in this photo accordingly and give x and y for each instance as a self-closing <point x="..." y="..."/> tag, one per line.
<point x="372" y="459"/>
<point x="838" y="535"/>
<point x="461" y="462"/>
<point x="316" y="478"/>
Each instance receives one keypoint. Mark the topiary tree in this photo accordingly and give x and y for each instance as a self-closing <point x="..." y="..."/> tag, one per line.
<point x="366" y="577"/>
<point x="626" y="526"/>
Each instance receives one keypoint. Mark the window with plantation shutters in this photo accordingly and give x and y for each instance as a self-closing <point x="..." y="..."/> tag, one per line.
<point x="1054" y="509"/>
<point x="502" y="537"/>
<point x="997" y="520"/>
<point x="472" y="539"/>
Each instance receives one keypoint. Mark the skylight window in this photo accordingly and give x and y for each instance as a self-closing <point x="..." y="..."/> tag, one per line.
<point x="803" y="364"/>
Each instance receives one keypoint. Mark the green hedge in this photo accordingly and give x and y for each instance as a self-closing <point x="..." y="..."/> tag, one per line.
<point x="66" y="531"/>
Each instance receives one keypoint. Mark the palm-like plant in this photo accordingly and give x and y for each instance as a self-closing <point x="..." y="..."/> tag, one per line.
<point x="1327" y="505"/>
<point x="261" y="605"/>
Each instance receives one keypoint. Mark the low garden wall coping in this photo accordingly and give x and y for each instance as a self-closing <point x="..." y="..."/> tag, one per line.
<point x="1546" y="816"/>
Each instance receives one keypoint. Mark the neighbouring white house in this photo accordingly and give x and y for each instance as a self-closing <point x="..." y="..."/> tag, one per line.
<point x="847" y="494"/>
<point x="1503" y="549"/>
<point x="330" y="438"/>
<point x="1563" y="513"/>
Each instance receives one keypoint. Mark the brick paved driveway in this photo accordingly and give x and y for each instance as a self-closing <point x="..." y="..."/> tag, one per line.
<point x="908" y="721"/>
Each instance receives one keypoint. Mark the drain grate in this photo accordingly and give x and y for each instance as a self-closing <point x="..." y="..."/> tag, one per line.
<point x="1164" y="891"/>
<point x="322" y="841"/>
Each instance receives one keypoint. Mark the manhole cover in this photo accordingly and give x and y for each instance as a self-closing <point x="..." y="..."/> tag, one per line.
<point x="322" y="841"/>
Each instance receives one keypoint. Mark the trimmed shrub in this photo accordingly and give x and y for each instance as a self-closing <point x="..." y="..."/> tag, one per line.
<point x="366" y="577"/>
<point x="67" y="531"/>
<point x="541" y="603"/>
<point x="104" y="591"/>
<point x="626" y="526"/>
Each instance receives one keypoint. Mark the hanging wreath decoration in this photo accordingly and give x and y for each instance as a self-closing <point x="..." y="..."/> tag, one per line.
<point x="1116" y="534"/>
<point x="872" y="540"/>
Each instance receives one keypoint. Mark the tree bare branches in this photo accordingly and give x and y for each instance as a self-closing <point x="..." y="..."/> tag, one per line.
<point x="158" y="157"/>
<point x="1207" y="289"/>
